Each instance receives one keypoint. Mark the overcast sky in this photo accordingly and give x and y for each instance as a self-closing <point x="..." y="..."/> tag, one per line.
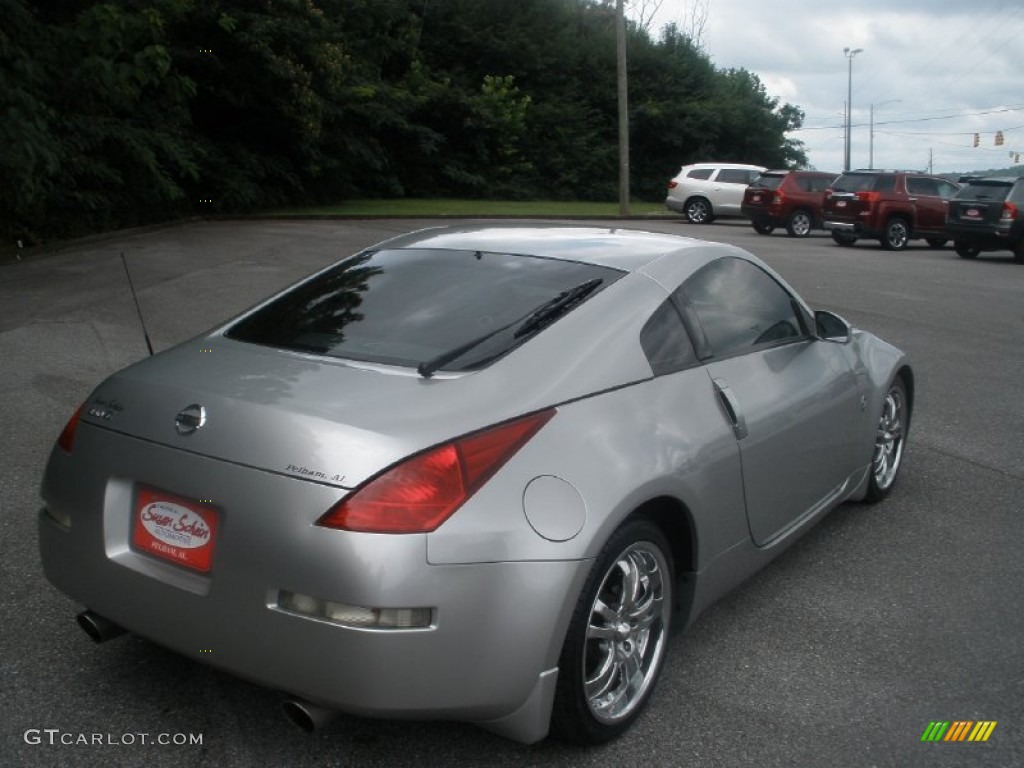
<point x="937" y="72"/>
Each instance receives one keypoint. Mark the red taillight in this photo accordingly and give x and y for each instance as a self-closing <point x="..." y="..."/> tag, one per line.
<point x="778" y="198"/>
<point x="419" y="493"/>
<point x="1009" y="212"/>
<point x="673" y="184"/>
<point x="67" y="435"/>
<point x="868" y="196"/>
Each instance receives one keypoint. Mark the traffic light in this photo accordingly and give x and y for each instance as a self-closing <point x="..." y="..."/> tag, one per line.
<point x="999" y="138"/>
<point x="977" y="139"/>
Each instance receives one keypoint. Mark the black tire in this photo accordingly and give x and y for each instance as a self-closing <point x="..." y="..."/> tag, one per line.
<point x="896" y="234"/>
<point x="843" y="238"/>
<point x="602" y="649"/>
<point x="763" y="229"/>
<point x="799" y="224"/>
<point x="890" y="440"/>
<point x="966" y="250"/>
<point x="1018" y="252"/>
<point x="936" y="242"/>
<point x="698" y="211"/>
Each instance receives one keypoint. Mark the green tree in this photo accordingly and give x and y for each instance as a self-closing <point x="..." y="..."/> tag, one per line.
<point x="127" y="111"/>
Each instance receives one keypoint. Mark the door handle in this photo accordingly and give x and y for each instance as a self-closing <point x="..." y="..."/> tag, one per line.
<point x="732" y="408"/>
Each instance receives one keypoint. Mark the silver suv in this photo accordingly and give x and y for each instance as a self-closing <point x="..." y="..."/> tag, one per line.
<point x="705" y="190"/>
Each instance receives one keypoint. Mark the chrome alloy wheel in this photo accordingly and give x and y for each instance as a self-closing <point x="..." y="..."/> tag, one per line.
<point x="889" y="440"/>
<point x="800" y="224"/>
<point x="626" y="632"/>
<point x="698" y="211"/>
<point x="896" y="235"/>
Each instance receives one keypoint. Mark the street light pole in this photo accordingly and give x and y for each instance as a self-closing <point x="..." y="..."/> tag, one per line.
<point x="871" y="131"/>
<point x="849" y="101"/>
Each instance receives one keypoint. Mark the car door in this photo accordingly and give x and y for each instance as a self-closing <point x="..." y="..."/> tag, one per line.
<point x="929" y="206"/>
<point x="728" y="188"/>
<point x="792" y="399"/>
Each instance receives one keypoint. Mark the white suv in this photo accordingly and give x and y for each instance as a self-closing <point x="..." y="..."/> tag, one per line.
<point x="705" y="190"/>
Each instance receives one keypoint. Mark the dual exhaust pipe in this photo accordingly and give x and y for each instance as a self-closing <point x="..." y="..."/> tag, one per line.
<point x="303" y="714"/>
<point x="97" y="627"/>
<point x="306" y="715"/>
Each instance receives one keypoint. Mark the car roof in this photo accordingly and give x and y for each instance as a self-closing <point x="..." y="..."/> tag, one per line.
<point x="741" y="166"/>
<point x="889" y="170"/>
<point x="629" y="250"/>
<point x="815" y="174"/>
<point x="1009" y="181"/>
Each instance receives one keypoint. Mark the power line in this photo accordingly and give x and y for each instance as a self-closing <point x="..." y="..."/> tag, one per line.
<point x="943" y="133"/>
<point x="954" y="116"/>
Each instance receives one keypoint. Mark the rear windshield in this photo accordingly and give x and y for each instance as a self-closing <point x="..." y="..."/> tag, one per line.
<point x="981" y="190"/>
<point x="765" y="181"/>
<point x="854" y="182"/>
<point x="411" y="307"/>
<point x="814" y="183"/>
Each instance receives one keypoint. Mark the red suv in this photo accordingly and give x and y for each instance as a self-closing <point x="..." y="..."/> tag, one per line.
<point x="893" y="207"/>
<point x="790" y="199"/>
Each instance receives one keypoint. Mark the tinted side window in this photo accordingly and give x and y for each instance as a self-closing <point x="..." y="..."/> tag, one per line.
<point x="666" y="342"/>
<point x="946" y="188"/>
<point x="885" y="184"/>
<point x="1017" y="195"/>
<point x="735" y="176"/>
<point x="917" y="185"/>
<point x="741" y="307"/>
<point x="819" y="184"/>
<point x="700" y="173"/>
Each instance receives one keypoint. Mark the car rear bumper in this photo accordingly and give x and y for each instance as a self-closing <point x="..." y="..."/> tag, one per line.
<point x="841" y="226"/>
<point x="989" y="237"/>
<point x="675" y="205"/>
<point x="488" y="655"/>
<point x="758" y="215"/>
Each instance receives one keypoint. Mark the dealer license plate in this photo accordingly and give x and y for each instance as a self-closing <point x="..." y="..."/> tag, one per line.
<point x="174" y="528"/>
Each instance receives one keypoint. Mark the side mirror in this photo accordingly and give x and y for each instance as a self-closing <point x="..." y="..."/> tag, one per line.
<point x="831" y="327"/>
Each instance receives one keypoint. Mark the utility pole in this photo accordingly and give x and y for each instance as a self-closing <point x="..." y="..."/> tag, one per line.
<point x="620" y="45"/>
<point x="871" y="131"/>
<point x="849" y="54"/>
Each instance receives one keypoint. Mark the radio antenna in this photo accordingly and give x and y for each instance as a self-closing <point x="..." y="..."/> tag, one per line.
<point x="138" y="309"/>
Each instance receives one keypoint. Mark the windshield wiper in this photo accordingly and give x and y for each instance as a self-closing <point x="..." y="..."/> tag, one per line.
<point x="530" y="323"/>
<point x="546" y="313"/>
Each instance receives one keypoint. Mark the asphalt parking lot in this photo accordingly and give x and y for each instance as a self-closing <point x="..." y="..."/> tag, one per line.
<point x="881" y="620"/>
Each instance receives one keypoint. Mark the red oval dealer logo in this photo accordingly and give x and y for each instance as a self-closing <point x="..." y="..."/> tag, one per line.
<point x="174" y="525"/>
<point x="180" y="530"/>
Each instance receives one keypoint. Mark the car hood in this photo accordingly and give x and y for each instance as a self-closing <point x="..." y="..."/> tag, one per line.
<point x="338" y="422"/>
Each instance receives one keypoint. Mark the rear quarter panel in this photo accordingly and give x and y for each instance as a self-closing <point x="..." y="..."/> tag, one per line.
<point x="665" y="437"/>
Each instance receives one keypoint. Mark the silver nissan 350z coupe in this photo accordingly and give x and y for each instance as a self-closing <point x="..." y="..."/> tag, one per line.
<point x="470" y="473"/>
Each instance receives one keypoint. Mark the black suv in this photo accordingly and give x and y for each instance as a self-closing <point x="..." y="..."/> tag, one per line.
<point x="892" y="207"/>
<point x="988" y="215"/>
